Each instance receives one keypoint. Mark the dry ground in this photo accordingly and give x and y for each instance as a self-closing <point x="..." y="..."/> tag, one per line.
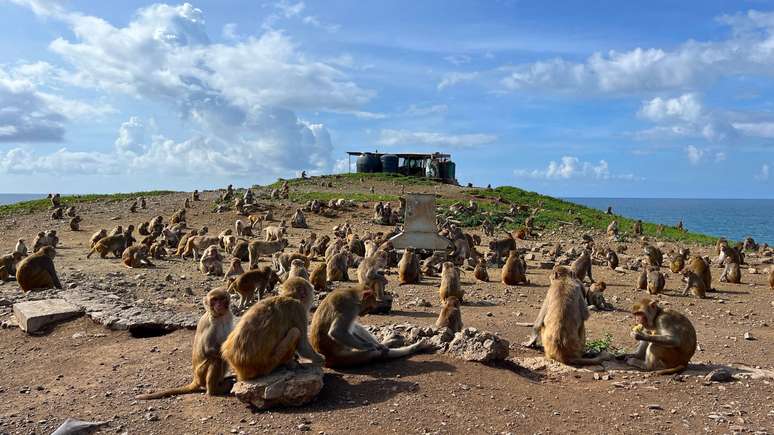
<point x="83" y="370"/>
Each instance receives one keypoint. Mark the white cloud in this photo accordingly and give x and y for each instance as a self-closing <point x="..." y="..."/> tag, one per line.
<point x="720" y="157"/>
<point x="391" y="138"/>
<point x="694" y="154"/>
<point x="454" y="78"/>
<point x="684" y="116"/>
<point x="458" y="59"/>
<point x="763" y="175"/>
<point x="314" y="21"/>
<point x="570" y="167"/>
<point x="757" y="129"/>
<point x="435" y="109"/>
<point x="686" y="108"/>
<point x="230" y="31"/>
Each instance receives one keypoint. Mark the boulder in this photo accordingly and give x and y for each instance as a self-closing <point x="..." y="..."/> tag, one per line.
<point x="473" y="345"/>
<point x="33" y="316"/>
<point x="285" y="387"/>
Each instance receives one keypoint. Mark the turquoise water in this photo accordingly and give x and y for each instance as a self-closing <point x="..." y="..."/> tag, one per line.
<point x="732" y="218"/>
<point x="10" y="198"/>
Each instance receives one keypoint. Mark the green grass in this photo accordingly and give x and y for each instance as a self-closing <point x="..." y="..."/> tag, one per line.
<point x="27" y="207"/>
<point x="602" y="344"/>
<point x="302" y="197"/>
<point x="355" y="177"/>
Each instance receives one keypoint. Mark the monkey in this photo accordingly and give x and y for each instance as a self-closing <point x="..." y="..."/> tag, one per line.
<point x="20" y="247"/>
<point x="197" y="244"/>
<point x="669" y="342"/>
<point x="654" y="254"/>
<point x="642" y="279"/>
<point x="8" y="264"/>
<point x="429" y="264"/>
<point x="234" y="269"/>
<point x="502" y="247"/>
<point x="181" y="244"/>
<point x="186" y="203"/>
<point x="261" y="280"/>
<point x="96" y="237"/>
<point x="271" y="333"/>
<point x="480" y="271"/>
<point x="75" y="223"/>
<point x="612" y="258"/>
<point x="53" y="239"/>
<point x="515" y="270"/>
<point x="282" y="260"/>
<point x="55" y="200"/>
<point x="242" y="229"/>
<point x="157" y="224"/>
<point x="143" y="229"/>
<point x="488" y="228"/>
<point x="128" y="235"/>
<point x="298" y="220"/>
<point x="37" y="271"/>
<point x="70" y="212"/>
<point x="115" y="244"/>
<point x="656" y="281"/>
<point x="560" y="323"/>
<point x="211" y="262"/>
<point x="677" y="262"/>
<point x="257" y="248"/>
<point x="521" y="233"/>
<point x="335" y="247"/>
<point x="450" y="316"/>
<point x="318" y="277"/>
<point x="732" y="273"/>
<point x="116" y="231"/>
<point x="638" y="227"/>
<point x="143" y="204"/>
<point x="356" y="246"/>
<point x="133" y="207"/>
<point x="136" y="256"/>
<point x="157" y="251"/>
<point x="209" y="368"/>
<point x="274" y="233"/>
<point x="342" y="340"/>
<point x="297" y="270"/>
<point x="702" y="268"/>
<point x="595" y="297"/>
<point x="320" y="246"/>
<point x="612" y="229"/>
<point x="370" y="275"/>
<point x="408" y="267"/>
<point x="581" y="267"/>
<point x="57" y="214"/>
<point x="241" y="250"/>
<point x="195" y="195"/>
<point x="337" y="266"/>
<point x="450" y="283"/>
<point x="203" y="231"/>
<point x="178" y="217"/>
<point x="771" y="277"/>
<point x="695" y="279"/>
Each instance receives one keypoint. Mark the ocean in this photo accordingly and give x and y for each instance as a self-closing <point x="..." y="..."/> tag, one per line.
<point x="731" y="218"/>
<point x="10" y="198"/>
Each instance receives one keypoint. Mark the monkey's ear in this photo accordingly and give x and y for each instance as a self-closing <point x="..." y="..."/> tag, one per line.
<point x="653" y="304"/>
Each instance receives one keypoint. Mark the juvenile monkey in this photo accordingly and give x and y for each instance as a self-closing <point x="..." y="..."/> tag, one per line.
<point x="695" y="277"/>
<point x="337" y="267"/>
<point x="450" y="316"/>
<point x="182" y="242"/>
<point x="318" y="277"/>
<point x="560" y="323"/>
<point x="136" y="256"/>
<point x="211" y="262"/>
<point x="259" y="280"/>
<point x="75" y="223"/>
<point x="677" y="262"/>
<point x="515" y="270"/>
<point x="8" y="264"/>
<point x="283" y="260"/>
<point x="450" y="283"/>
<point x="654" y="254"/>
<point x="581" y="267"/>
<point x="157" y="251"/>
<point x="612" y="258"/>
<point x="270" y="334"/>
<point x="133" y="207"/>
<point x="669" y="342"/>
<point x="701" y="267"/>
<point x="595" y="297"/>
<point x="209" y="368"/>
<point x="732" y="272"/>
<point x="298" y="269"/>
<point x="480" y="271"/>
<point x="96" y="237"/>
<point x="234" y="269"/>
<point x="37" y="271"/>
<point x="342" y="340"/>
<point x="178" y="217"/>
<point x="20" y="247"/>
<point x="242" y="229"/>
<point x="143" y="229"/>
<point x="53" y="239"/>
<point x="642" y="279"/>
<point x="110" y="244"/>
<point x="408" y="267"/>
<point x="502" y="247"/>
<point x="370" y="274"/>
<point x="274" y="233"/>
<point x="257" y="248"/>
<point x="198" y="244"/>
<point x="656" y="281"/>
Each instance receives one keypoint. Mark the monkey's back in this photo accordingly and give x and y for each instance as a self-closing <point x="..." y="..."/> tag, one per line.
<point x="33" y="272"/>
<point x="337" y="302"/>
<point x="563" y="334"/>
<point x="672" y="322"/>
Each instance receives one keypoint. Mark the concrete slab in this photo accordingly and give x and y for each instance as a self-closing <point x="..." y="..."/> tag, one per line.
<point x="33" y="316"/>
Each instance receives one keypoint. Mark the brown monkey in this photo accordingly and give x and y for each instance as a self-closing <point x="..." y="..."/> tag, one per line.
<point x="234" y="269"/>
<point x="370" y="275"/>
<point x="638" y="227"/>
<point x="701" y="267"/>
<point x="143" y="204"/>
<point x="771" y="277"/>
<point x="211" y="262"/>
<point x="595" y="296"/>
<point x="408" y="267"/>
<point x="318" y="277"/>
<point x="157" y="251"/>
<point x="669" y="342"/>
<point x="116" y="231"/>
<point x="612" y="258"/>
<point x="450" y="316"/>
<point x="198" y="244"/>
<point x="55" y="200"/>
<point x="8" y="265"/>
<point x="732" y="273"/>
<point x="136" y="256"/>
<point x="582" y="266"/>
<point x="183" y="241"/>
<point x="37" y="271"/>
<point x="480" y="271"/>
<point x="642" y="279"/>
<point x="560" y="323"/>
<point x="257" y="248"/>
<point x="58" y="214"/>
<point x="209" y="368"/>
<point x="20" y="247"/>
<point x="450" y="283"/>
<point x="259" y="280"/>
<point x="178" y="217"/>
<point x="241" y="250"/>
<point x="282" y="260"/>
<point x="612" y="229"/>
<point x="143" y="229"/>
<point x="75" y="223"/>
<point x="654" y="254"/>
<point x="110" y="244"/>
<point x="677" y="262"/>
<point x="694" y="282"/>
<point x="502" y="247"/>
<point x="337" y="266"/>
<point x="274" y="233"/>
<point x="342" y="340"/>
<point x="70" y="211"/>
<point x="195" y="195"/>
<point x="656" y="281"/>
<point x="270" y="334"/>
<point x="96" y="237"/>
<point x="298" y="270"/>
<point x="515" y="270"/>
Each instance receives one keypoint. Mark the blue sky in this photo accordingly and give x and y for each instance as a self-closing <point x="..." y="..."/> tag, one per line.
<point x="566" y="98"/>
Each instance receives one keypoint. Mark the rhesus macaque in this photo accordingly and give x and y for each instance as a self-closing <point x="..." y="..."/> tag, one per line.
<point x="37" y="271"/>
<point x="20" y="247"/>
<point x="143" y="204"/>
<point x="55" y="200"/>
<point x="677" y="262"/>
<point x="57" y="214"/>
<point x="697" y="269"/>
<point x="612" y="258"/>
<point x="732" y="273"/>
<point x="370" y="275"/>
<point x="480" y="271"/>
<point x="211" y="262"/>
<point x="157" y="251"/>
<point x="582" y="266"/>
<point x="178" y="217"/>
<point x="282" y="261"/>
<point x="642" y="278"/>
<point x="242" y="229"/>
<point x="8" y="265"/>
<point x="209" y="368"/>
<point x="298" y="269"/>
<point x="234" y="269"/>
<point x="257" y="248"/>
<point x="143" y="230"/>
<point x="612" y="229"/>
<point x="656" y="281"/>
<point x="595" y="297"/>
<point x="197" y="244"/>
<point x="342" y="340"/>
<point x="318" y="277"/>
<point x="654" y="254"/>
<point x="666" y="339"/>
<point x="271" y="332"/>
<point x="70" y="211"/>
<point x="261" y="280"/>
<point x="638" y="227"/>
<point x="274" y="233"/>
<point x="337" y="267"/>
<point x="450" y="283"/>
<point x="487" y="228"/>
<point x="186" y="203"/>
<point x="515" y="270"/>
<point x="560" y="323"/>
<point x="75" y="223"/>
<point x="133" y="207"/>
<point x="136" y="256"/>
<point x="408" y="267"/>
<point x="298" y="220"/>
<point x="96" y="237"/>
<point x="110" y="244"/>
<point x="116" y="231"/>
<point x="450" y="316"/>
<point x="502" y="247"/>
<point x="195" y="195"/>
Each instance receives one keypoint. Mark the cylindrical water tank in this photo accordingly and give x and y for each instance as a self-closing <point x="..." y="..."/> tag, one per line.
<point x="390" y="163"/>
<point x="369" y="162"/>
<point x="448" y="170"/>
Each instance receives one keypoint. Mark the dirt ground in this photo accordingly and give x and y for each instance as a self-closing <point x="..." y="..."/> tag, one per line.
<point x="83" y="370"/>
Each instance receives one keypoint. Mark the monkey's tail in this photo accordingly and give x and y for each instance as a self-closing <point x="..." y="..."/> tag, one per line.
<point x="672" y="371"/>
<point x="193" y="387"/>
<point x="93" y="250"/>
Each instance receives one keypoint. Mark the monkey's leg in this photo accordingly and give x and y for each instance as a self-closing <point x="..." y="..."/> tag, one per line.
<point x="285" y="349"/>
<point x="537" y="326"/>
<point x="215" y="380"/>
<point x="360" y="332"/>
<point x="305" y="350"/>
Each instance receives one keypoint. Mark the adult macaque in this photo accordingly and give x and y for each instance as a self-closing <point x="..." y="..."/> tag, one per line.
<point x="581" y="267"/>
<point x="656" y="281"/>
<point x="234" y="269"/>
<point x="480" y="271"/>
<point x="370" y="274"/>
<point x="515" y="270"/>
<point x="209" y="368"/>
<point x="595" y="297"/>
<point x="318" y="277"/>
<point x="732" y="273"/>
<point x="20" y="247"/>
<point x="450" y="283"/>
<point x="110" y="244"/>
<point x="211" y="262"/>
<point x="450" y="316"/>
<point x="666" y="339"/>
<point x="342" y="340"/>
<point x="259" y="280"/>
<point x="136" y="256"/>
<point x="37" y="271"/>
<point x="408" y="267"/>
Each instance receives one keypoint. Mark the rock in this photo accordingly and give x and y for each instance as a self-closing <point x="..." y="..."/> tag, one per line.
<point x="282" y="388"/>
<point x="547" y="265"/>
<point x="472" y="345"/>
<point x="748" y="336"/>
<point x="719" y="375"/>
<point x="35" y="315"/>
<point x="752" y="271"/>
<point x="620" y="269"/>
<point x="530" y="257"/>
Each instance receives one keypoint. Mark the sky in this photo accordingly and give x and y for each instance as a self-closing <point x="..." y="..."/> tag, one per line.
<point x="646" y="99"/>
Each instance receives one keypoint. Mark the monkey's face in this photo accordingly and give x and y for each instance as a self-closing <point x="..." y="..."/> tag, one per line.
<point x="219" y="304"/>
<point x="368" y="302"/>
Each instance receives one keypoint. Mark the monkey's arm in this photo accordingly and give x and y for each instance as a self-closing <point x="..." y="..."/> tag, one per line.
<point x="305" y="350"/>
<point x="661" y="340"/>
<point x="339" y="331"/>
<point x="537" y="325"/>
<point x="54" y="277"/>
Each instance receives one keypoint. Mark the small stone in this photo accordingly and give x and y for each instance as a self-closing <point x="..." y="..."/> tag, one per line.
<point x="748" y="336"/>
<point x="151" y="416"/>
<point x="719" y="375"/>
<point x="655" y="406"/>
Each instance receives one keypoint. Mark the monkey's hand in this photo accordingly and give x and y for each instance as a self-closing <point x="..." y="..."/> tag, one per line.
<point x="637" y="335"/>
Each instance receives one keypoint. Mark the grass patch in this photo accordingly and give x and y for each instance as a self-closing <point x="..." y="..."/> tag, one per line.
<point x="27" y="207"/>
<point x="355" y="177"/>
<point x="600" y="345"/>
<point x="302" y="197"/>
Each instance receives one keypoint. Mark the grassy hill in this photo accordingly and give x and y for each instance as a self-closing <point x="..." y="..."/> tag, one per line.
<point x="27" y="207"/>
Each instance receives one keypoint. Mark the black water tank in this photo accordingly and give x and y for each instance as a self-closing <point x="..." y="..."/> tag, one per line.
<point x="369" y="162"/>
<point x="390" y="163"/>
<point x="447" y="170"/>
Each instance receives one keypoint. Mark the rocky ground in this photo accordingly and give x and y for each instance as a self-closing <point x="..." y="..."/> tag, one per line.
<point x="85" y="370"/>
